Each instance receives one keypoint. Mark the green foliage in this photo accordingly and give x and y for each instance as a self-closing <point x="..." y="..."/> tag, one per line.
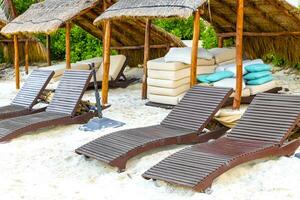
<point x="209" y="38"/>
<point x="23" y="5"/>
<point x="184" y="29"/>
<point x="179" y="27"/>
<point x="279" y="61"/>
<point x="83" y="45"/>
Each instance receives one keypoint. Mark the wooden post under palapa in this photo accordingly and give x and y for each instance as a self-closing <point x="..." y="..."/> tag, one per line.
<point x="68" y="45"/>
<point x="146" y="57"/>
<point x="106" y="62"/>
<point x="26" y="56"/>
<point x="16" y="63"/>
<point x="220" y="42"/>
<point x="239" y="54"/>
<point x="48" y="41"/>
<point x="196" y="37"/>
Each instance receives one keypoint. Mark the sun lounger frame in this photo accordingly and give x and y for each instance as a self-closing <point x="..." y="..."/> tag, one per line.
<point x="190" y="137"/>
<point x="8" y="111"/>
<point x="62" y="119"/>
<point x="202" y="156"/>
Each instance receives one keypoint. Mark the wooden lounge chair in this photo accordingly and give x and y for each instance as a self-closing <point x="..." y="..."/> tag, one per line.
<point x="263" y="131"/>
<point x="184" y="125"/>
<point x="61" y="110"/>
<point x="28" y="96"/>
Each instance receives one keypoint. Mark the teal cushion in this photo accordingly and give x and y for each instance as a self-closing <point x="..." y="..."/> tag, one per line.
<point x="260" y="81"/>
<point x="219" y="76"/>
<point x="258" y="68"/>
<point x="257" y="75"/>
<point x="202" y="78"/>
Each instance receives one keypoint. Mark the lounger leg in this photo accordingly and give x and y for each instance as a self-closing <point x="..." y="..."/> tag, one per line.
<point x="290" y="148"/>
<point x="120" y="164"/>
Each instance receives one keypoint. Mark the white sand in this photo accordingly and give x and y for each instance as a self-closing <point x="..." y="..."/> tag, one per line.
<point x="43" y="165"/>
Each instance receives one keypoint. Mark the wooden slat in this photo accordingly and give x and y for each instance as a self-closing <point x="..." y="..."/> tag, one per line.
<point x="69" y="91"/>
<point x="32" y="88"/>
<point x="198" y="113"/>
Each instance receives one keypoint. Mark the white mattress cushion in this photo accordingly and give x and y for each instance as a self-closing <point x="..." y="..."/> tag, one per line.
<point x="184" y="54"/>
<point x="167" y="83"/>
<point x="228" y="83"/>
<point x="206" y="69"/>
<point x="160" y="64"/>
<point x="245" y="93"/>
<point x="204" y="62"/>
<point x="165" y="99"/>
<point x="97" y="60"/>
<point x="169" y="75"/>
<point x="255" y="89"/>
<point x="225" y="65"/>
<point x="116" y="64"/>
<point x="223" y="54"/>
<point x="228" y="62"/>
<point x="168" y="91"/>
<point x="59" y="69"/>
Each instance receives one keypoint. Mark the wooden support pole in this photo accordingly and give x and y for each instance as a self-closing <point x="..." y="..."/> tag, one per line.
<point x="194" y="58"/>
<point x="220" y="42"/>
<point x="146" y="57"/>
<point x="106" y="62"/>
<point x="239" y="54"/>
<point x="48" y="41"/>
<point x="27" y="57"/>
<point x="68" y="45"/>
<point x="17" y="63"/>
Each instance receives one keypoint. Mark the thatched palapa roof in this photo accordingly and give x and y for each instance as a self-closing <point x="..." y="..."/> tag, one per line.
<point x="3" y="18"/>
<point x="151" y="9"/>
<point x="48" y="16"/>
<point x="261" y="16"/>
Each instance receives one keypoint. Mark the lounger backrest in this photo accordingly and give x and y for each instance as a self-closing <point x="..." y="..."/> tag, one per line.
<point x="70" y="91"/>
<point x="33" y="88"/>
<point x="269" y="118"/>
<point x="197" y="107"/>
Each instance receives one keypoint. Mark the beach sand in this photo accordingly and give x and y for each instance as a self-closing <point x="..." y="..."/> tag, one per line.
<point x="44" y="166"/>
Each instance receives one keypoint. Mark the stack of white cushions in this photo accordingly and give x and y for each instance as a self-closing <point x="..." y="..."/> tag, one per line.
<point x="167" y="82"/>
<point x="205" y="63"/>
<point x="169" y="77"/>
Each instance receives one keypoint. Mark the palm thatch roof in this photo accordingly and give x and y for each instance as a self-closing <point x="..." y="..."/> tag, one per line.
<point x="151" y="9"/>
<point x="48" y="16"/>
<point x="3" y="18"/>
<point x="38" y="52"/>
<point x="261" y="16"/>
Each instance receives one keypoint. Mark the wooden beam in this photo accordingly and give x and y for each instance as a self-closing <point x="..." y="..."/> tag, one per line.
<point x="239" y="54"/>
<point x="26" y="57"/>
<point x="139" y="47"/>
<point x="146" y="57"/>
<point x="194" y="58"/>
<point x="260" y="34"/>
<point x="48" y="41"/>
<point x="68" y="45"/>
<point x="17" y="62"/>
<point x="106" y="62"/>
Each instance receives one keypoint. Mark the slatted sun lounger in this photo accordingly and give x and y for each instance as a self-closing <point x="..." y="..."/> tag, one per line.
<point x="263" y="131"/>
<point x="184" y="125"/>
<point x="28" y="95"/>
<point x="61" y="110"/>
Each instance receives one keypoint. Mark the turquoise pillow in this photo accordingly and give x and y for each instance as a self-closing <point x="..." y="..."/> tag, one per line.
<point x="258" y="68"/>
<point x="202" y="78"/>
<point x="219" y="76"/>
<point x="257" y="75"/>
<point x="260" y="81"/>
